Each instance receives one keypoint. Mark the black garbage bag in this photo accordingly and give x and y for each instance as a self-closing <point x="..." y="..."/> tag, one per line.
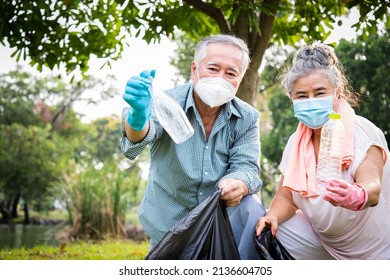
<point x="270" y="248"/>
<point x="203" y="234"/>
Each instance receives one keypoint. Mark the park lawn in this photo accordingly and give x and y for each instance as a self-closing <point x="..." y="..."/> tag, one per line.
<point x="81" y="250"/>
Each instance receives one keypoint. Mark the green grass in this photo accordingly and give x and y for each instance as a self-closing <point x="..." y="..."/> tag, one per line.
<point x="105" y="250"/>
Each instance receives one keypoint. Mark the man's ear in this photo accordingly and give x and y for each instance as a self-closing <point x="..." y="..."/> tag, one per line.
<point x="194" y="76"/>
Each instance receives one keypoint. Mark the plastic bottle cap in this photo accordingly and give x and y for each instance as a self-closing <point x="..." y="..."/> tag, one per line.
<point x="335" y="116"/>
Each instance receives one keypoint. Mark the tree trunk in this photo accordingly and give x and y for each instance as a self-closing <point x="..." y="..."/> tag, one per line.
<point x="26" y="214"/>
<point x="6" y="209"/>
<point x="249" y="88"/>
<point x="15" y="203"/>
<point x="5" y="216"/>
<point x="257" y="43"/>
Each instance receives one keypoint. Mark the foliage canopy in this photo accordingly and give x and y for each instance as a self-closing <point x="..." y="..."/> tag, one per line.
<point x="67" y="32"/>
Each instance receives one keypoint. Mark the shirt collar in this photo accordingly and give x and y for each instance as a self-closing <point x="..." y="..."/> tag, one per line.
<point x="190" y="98"/>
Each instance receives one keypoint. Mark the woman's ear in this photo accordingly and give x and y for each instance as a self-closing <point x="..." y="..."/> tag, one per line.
<point x="336" y="100"/>
<point x="338" y="93"/>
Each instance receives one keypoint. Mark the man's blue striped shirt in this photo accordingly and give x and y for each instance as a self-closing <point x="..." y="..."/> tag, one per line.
<point x="183" y="175"/>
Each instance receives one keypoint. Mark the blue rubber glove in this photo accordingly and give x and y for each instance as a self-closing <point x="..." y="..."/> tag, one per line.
<point x="138" y="95"/>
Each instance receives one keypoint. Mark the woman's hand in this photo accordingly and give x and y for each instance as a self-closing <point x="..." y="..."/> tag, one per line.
<point x="344" y="194"/>
<point x="267" y="221"/>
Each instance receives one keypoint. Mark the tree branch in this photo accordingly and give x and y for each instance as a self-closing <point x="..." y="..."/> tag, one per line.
<point x="266" y="21"/>
<point x="212" y="12"/>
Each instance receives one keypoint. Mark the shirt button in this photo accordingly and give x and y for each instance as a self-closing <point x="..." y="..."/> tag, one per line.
<point x="200" y="193"/>
<point x="207" y="147"/>
<point x="205" y="173"/>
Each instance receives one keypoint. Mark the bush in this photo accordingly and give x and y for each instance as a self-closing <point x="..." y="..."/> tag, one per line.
<point x="97" y="200"/>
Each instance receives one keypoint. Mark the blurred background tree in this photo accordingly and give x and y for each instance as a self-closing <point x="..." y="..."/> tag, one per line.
<point x="367" y="63"/>
<point x="68" y="33"/>
<point x="43" y="143"/>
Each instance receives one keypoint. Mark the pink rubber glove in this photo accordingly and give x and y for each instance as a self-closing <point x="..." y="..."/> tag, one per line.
<point x="344" y="194"/>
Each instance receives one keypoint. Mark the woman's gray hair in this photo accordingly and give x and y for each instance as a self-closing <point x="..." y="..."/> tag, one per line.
<point x="201" y="50"/>
<point x="319" y="58"/>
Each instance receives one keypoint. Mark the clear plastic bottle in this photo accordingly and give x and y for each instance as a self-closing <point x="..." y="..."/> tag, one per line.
<point x="171" y="115"/>
<point x="331" y="151"/>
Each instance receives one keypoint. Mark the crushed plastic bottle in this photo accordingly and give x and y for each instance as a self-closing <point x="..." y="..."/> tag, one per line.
<point x="171" y="115"/>
<point x="331" y="151"/>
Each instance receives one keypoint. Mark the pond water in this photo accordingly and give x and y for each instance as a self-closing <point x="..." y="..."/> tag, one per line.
<point x="28" y="236"/>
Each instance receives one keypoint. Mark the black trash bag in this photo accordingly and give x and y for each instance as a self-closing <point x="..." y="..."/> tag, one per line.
<point x="203" y="234"/>
<point x="270" y="248"/>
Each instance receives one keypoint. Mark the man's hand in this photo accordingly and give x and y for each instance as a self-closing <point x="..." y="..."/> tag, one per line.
<point x="233" y="191"/>
<point x="137" y="94"/>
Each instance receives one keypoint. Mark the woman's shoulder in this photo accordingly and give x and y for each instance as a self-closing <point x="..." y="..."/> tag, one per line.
<point x="365" y="130"/>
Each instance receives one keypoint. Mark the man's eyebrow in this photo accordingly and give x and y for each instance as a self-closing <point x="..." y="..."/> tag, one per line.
<point x="234" y="69"/>
<point x="213" y="63"/>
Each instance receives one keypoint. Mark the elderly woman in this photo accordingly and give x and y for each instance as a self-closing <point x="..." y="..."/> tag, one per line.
<point x="352" y="219"/>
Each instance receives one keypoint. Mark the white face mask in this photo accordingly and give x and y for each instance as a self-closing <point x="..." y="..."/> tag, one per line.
<point x="215" y="91"/>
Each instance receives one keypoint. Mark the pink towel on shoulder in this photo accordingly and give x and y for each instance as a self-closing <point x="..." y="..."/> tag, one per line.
<point x="301" y="172"/>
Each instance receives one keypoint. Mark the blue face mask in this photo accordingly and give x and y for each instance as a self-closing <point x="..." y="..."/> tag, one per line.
<point x="313" y="112"/>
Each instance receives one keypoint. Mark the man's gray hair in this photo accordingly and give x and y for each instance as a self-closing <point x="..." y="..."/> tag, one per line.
<point x="201" y="50"/>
